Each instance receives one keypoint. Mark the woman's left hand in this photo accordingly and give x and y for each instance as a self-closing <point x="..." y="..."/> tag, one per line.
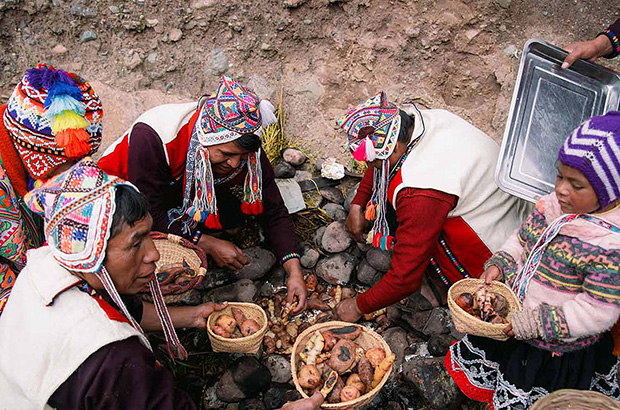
<point x="508" y="330"/>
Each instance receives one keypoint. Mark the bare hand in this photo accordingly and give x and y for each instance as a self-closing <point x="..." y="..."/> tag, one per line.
<point x="508" y="330"/>
<point x="296" y="286"/>
<point x="356" y="224"/>
<point x="588" y="50"/>
<point x="490" y="274"/>
<point x="312" y="403"/>
<point x="203" y="312"/>
<point x="347" y="311"/>
<point x="224" y="253"/>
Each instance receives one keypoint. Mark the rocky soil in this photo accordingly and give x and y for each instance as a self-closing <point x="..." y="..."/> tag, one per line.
<point x="324" y="54"/>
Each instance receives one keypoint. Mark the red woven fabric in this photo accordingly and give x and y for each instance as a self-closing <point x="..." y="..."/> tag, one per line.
<point x="468" y="389"/>
<point x="10" y="159"/>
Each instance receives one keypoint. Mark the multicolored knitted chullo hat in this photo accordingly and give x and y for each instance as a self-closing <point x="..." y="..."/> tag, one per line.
<point x="78" y="208"/>
<point x="372" y="128"/>
<point x="53" y="116"/>
<point x="234" y="110"/>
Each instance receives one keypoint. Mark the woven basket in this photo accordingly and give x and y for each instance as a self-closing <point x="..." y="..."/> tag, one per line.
<point x="466" y="323"/>
<point x="576" y="399"/>
<point x="367" y="339"/>
<point x="247" y="344"/>
<point x="174" y="249"/>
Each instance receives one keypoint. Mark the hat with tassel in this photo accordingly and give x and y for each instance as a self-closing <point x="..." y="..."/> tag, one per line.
<point x="234" y="110"/>
<point x="372" y="128"/>
<point x="53" y="116"/>
<point x="78" y="208"/>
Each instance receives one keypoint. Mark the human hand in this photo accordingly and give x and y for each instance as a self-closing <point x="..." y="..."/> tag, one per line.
<point x="224" y="253"/>
<point x="296" y="286"/>
<point x="588" y="50"/>
<point x="203" y="311"/>
<point x="508" y="330"/>
<point x="312" y="403"/>
<point x="356" y="224"/>
<point x="490" y="274"/>
<point x="347" y="311"/>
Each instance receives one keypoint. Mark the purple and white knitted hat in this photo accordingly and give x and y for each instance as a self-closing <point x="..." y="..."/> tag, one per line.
<point x="594" y="150"/>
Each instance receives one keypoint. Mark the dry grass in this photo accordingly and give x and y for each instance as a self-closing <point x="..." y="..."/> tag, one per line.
<point x="273" y="138"/>
<point x="308" y="221"/>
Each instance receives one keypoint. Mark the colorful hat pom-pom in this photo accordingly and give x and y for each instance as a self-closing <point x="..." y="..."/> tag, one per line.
<point x="74" y="141"/>
<point x="371" y="211"/>
<point x="254" y="208"/>
<point x="62" y="103"/>
<point x="67" y="120"/>
<point x="213" y="222"/>
<point x="365" y="151"/>
<point x="61" y="88"/>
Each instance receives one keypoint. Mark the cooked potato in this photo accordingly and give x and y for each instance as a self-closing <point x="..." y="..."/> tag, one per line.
<point x="349" y="393"/>
<point x="226" y="322"/>
<point x="309" y="377"/>
<point x="375" y="355"/>
<point x="249" y="327"/>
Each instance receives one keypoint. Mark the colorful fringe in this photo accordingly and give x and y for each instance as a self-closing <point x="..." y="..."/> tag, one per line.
<point x="253" y="187"/>
<point x="204" y="207"/>
<point x="65" y="109"/>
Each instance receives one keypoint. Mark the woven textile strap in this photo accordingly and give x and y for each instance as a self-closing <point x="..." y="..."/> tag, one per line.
<point x="522" y="281"/>
<point x="174" y="344"/>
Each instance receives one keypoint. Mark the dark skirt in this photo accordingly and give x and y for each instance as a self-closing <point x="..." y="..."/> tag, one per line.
<point x="514" y="374"/>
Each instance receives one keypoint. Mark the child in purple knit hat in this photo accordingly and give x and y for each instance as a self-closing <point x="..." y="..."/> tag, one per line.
<point x="563" y="264"/>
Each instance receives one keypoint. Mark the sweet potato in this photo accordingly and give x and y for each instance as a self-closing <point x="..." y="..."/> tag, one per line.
<point x="342" y="359"/>
<point x="249" y="327"/>
<point x="355" y="381"/>
<point x="375" y="356"/>
<point x="365" y="371"/>
<point x="227" y="323"/>
<point x="349" y="393"/>
<point x="309" y="377"/>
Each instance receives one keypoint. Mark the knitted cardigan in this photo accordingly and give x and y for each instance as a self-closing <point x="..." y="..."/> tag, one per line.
<point x="575" y="292"/>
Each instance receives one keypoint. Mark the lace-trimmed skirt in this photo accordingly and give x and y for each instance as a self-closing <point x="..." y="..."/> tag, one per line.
<point x="514" y="374"/>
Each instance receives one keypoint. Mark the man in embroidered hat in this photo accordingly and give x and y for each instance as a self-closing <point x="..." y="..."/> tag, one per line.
<point x="431" y="197"/>
<point x="52" y="119"/>
<point x="201" y="168"/>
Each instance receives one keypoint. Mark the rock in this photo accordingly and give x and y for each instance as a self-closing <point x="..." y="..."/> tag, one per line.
<point x="152" y="58"/>
<point x="279" y="367"/>
<point x="201" y="4"/>
<point x="210" y="400"/>
<point x="364" y="247"/>
<point x="309" y="258"/>
<point x="302" y="175"/>
<point x="88" y="36"/>
<point x="378" y="259"/>
<point x="438" y="345"/>
<point x="283" y="169"/>
<point x="217" y="277"/>
<point x="150" y="23"/>
<point x="261" y="261"/>
<point x="250" y="375"/>
<point x="59" y="49"/>
<point x="336" y="269"/>
<point x="437" y="322"/>
<point x="82" y="11"/>
<point x="251" y="404"/>
<point x="227" y="390"/>
<point x="350" y="196"/>
<point x="367" y="274"/>
<point x="310" y="89"/>
<point x="331" y="169"/>
<point x="218" y="64"/>
<point x="503" y="3"/>
<point x="335" y="211"/>
<point x="275" y="397"/>
<point x="275" y="282"/>
<point x="332" y="194"/>
<point x="263" y="87"/>
<point x="243" y="290"/>
<point x="114" y="9"/>
<point x="266" y="47"/>
<point x="417" y="320"/>
<point x="511" y="51"/>
<point x="192" y="298"/>
<point x="318" y="236"/>
<point x="416" y="302"/>
<point x="431" y="380"/>
<point x="294" y="156"/>
<point x="175" y="35"/>
<point x="291" y="4"/>
<point x="396" y="338"/>
<point x="133" y="60"/>
<point x="336" y="239"/>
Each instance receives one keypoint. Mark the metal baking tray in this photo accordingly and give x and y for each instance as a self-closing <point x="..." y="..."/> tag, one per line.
<point x="547" y="105"/>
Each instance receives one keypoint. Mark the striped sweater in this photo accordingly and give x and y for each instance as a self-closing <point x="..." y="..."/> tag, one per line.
<point x="576" y="289"/>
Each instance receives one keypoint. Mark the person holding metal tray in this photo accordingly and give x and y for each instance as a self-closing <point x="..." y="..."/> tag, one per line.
<point x="563" y="264"/>
<point x="606" y="44"/>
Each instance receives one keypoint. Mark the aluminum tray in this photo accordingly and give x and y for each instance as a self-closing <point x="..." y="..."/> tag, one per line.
<point x="547" y="105"/>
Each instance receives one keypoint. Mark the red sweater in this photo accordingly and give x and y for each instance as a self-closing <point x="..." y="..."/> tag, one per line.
<point x="421" y="215"/>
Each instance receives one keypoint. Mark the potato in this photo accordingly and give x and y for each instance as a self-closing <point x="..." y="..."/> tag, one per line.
<point x="375" y="355"/>
<point x="269" y="345"/>
<point x="218" y="330"/>
<point x="355" y="381"/>
<point x="249" y="327"/>
<point x="334" y="396"/>
<point x="309" y="377"/>
<point x="365" y="371"/>
<point x="226" y="322"/>
<point x="342" y="359"/>
<point x="238" y="314"/>
<point x="330" y="340"/>
<point x="349" y="393"/>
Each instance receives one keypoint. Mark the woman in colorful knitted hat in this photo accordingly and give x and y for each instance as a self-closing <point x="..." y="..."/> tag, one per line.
<point x="437" y="172"/>
<point x="52" y="119"/>
<point x="564" y="266"/>
<point x="202" y="170"/>
<point x="67" y="338"/>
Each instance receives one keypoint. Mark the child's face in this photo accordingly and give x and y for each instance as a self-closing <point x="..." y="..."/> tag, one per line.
<point x="574" y="191"/>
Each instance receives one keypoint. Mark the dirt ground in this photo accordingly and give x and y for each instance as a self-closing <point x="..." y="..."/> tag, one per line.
<point x="326" y="55"/>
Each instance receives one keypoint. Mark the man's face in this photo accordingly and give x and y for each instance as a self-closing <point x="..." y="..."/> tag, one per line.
<point x="131" y="256"/>
<point x="226" y="157"/>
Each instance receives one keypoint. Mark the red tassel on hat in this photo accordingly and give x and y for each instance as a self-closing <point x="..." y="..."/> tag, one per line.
<point x="371" y="211"/>
<point x="74" y="141"/>
<point x="213" y="222"/>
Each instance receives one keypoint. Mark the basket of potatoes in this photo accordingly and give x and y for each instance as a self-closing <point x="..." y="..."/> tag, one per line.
<point x="346" y="362"/>
<point x="238" y="328"/>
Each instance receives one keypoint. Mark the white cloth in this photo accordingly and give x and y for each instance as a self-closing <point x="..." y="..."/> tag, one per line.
<point x="455" y="157"/>
<point x="44" y="338"/>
